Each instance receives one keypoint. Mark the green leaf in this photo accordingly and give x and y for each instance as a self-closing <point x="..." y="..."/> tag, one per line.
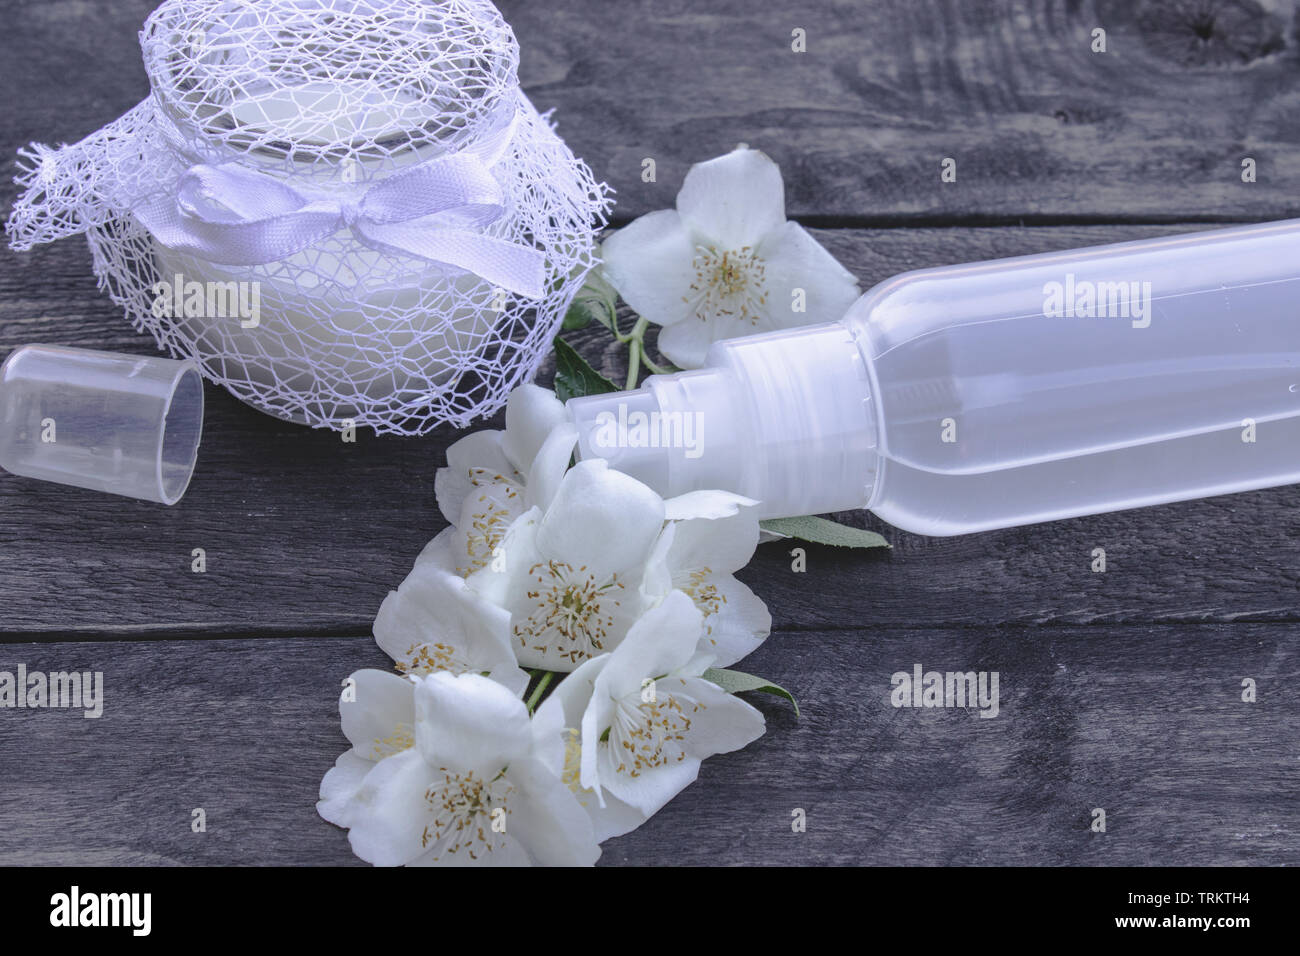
<point x="596" y="300"/>
<point x="822" y="531"/>
<point x="579" y="316"/>
<point x="574" y="377"/>
<point x="735" y="682"/>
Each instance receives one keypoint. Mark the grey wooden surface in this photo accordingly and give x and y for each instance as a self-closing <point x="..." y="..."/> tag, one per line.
<point x="1119" y="690"/>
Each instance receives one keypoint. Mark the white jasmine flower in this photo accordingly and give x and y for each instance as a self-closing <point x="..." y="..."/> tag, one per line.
<point x="478" y="785"/>
<point x="493" y="476"/>
<point x="377" y="710"/>
<point x="434" y="622"/>
<point x="710" y="535"/>
<point x="725" y="262"/>
<point x="572" y="575"/>
<point x="614" y="817"/>
<point x="645" y="719"/>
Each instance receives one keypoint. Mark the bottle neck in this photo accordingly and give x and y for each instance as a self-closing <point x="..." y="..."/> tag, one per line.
<point x="786" y="418"/>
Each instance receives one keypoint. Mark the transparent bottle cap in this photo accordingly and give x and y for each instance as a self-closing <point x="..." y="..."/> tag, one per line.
<point x="124" y="424"/>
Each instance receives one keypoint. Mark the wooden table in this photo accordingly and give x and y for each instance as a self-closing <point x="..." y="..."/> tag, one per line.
<point x="1119" y="690"/>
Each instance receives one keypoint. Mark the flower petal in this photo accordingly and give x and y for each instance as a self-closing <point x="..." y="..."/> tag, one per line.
<point x="549" y="821"/>
<point x="796" y="260"/>
<point x="510" y="852"/>
<point x="572" y="579"/>
<point x="433" y="621"/>
<point x="705" y="504"/>
<point x="650" y="789"/>
<point x="722" y="723"/>
<point x="549" y="733"/>
<point x="469" y="722"/>
<point x="562" y="715"/>
<point x="738" y="627"/>
<point x="662" y="641"/>
<point x="339" y="785"/>
<point x="539" y="643"/>
<point x="440" y="551"/>
<point x="550" y="464"/>
<point x="569" y="701"/>
<point x="614" y="819"/>
<point x="658" y="645"/>
<point x="658" y="578"/>
<point x="716" y="545"/>
<point x="735" y="199"/>
<point x="476" y="459"/>
<point x="548" y="629"/>
<point x="687" y="343"/>
<point x="601" y="517"/>
<point x="651" y="262"/>
<point x="498" y="581"/>
<point x="573" y="706"/>
<point x="531" y="413"/>
<point x="377" y="711"/>
<point x="595" y="721"/>
<point x="389" y="812"/>
<point x="486" y="514"/>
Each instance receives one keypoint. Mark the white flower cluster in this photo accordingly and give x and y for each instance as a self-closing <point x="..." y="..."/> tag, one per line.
<point x="578" y="573"/>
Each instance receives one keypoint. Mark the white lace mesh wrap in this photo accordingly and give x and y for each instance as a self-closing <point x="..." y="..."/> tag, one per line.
<point x="330" y="97"/>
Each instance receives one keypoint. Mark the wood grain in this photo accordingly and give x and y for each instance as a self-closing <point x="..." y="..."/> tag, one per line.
<point x="1144" y="722"/>
<point x="1042" y="128"/>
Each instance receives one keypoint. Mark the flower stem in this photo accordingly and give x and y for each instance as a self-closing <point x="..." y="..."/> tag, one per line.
<point x="653" y="368"/>
<point x="638" y="329"/>
<point x="633" y="365"/>
<point x="636" y="351"/>
<point x="535" y="697"/>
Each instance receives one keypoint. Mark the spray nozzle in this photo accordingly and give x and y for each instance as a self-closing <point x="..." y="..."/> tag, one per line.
<point x="785" y="418"/>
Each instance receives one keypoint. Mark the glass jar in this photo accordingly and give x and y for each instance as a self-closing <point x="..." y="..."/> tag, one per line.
<point x="319" y="104"/>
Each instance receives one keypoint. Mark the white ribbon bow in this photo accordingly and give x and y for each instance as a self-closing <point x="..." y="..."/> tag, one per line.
<point x="238" y="216"/>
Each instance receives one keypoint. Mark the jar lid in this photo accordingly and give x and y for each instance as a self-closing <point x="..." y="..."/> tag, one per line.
<point x="330" y="88"/>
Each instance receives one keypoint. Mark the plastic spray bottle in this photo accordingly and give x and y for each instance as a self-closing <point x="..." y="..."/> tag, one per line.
<point x="997" y="393"/>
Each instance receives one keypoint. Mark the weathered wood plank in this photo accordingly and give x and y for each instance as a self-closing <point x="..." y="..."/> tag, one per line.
<point x="1145" y="722"/>
<point x="305" y="534"/>
<point x="1041" y="127"/>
